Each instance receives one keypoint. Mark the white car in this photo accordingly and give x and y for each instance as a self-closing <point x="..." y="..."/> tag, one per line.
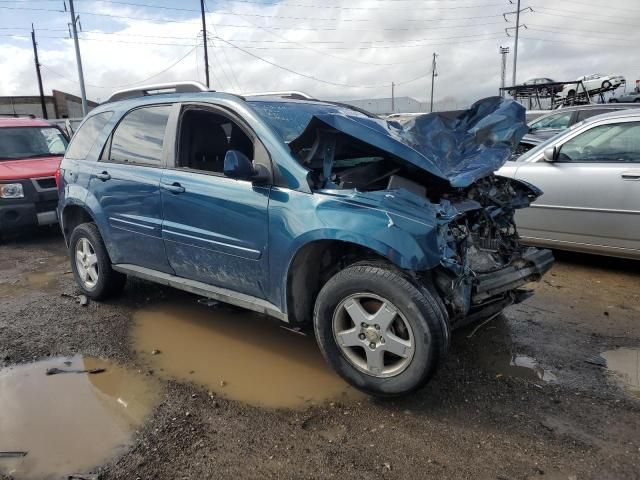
<point x="593" y="83"/>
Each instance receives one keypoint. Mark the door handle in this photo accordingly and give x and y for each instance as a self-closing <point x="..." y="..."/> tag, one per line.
<point x="633" y="175"/>
<point x="104" y="176"/>
<point x="174" y="187"/>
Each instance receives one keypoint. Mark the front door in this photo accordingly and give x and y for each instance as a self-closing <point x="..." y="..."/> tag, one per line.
<point x="215" y="228"/>
<point x="591" y="193"/>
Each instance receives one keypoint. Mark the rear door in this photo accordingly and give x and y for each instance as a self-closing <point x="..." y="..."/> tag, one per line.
<point x="215" y="228"/>
<point x="591" y="193"/>
<point x="126" y="184"/>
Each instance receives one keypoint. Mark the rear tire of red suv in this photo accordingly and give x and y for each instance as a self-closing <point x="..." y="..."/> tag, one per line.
<point x="91" y="264"/>
<point x="379" y="331"/>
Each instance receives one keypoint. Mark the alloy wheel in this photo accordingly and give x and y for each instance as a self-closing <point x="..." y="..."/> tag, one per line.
<point x="87" y="263"/>
<point x="373" y="335"/>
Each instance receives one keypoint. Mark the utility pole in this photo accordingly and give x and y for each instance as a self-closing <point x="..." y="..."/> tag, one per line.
<point x="393" y="97"/>
<point x="503" y="67"/>
<point x="434" y="74"/>
<point x="204" y="38"/>
<point x="35" y="58"/>
<point x="517" y="13"/>
<point x="74" y="21"/>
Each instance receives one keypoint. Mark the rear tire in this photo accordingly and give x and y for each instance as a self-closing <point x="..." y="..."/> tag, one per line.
<point x="379" y="331"/>
<point x="91" y="264"/>
<point x="606" y="84"/>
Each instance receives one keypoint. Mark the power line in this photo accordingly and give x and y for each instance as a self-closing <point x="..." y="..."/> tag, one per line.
<point x="556" y="32"/>
<point x="224" y="52"/>
<point x="480" y="37"/>
<point x="573" y="16"/>
<point x="311" y="77"/>
<point x="166" y="20"/>
<point x="298" y="5"/>
<point x="127" y="84"/>
<point x="599" y="32"/>
<point x="595" y="44"/>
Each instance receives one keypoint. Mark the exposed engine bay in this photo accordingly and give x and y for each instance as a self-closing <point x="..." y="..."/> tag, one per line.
<point x="447" y="162"/>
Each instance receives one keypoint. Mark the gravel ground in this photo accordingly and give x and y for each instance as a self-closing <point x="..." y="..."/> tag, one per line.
<point x="478" y="418"/>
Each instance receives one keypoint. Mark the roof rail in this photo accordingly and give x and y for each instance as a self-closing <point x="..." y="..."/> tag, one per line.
<point x="178" y="87"/>
<point x="293" y="94"/>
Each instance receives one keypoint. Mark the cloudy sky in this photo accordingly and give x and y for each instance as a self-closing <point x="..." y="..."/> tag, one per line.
<point x="334" y="49"/>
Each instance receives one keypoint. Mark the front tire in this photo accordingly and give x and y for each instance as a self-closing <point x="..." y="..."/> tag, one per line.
<point x="91" y="264"/>
<point x="379" y="331"/>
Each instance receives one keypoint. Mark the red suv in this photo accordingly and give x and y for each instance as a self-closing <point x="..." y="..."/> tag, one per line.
<point x="30" y="154"/>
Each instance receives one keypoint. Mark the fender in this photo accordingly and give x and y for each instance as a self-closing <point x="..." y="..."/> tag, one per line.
<point x="296" y="219"/>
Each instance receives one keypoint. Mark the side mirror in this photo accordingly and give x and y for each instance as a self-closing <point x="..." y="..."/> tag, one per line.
<point x="238" y="166"/>
<point x="550" y="154"/>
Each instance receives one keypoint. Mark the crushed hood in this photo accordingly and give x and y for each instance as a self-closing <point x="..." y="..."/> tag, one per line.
<point x="459" y="147"/>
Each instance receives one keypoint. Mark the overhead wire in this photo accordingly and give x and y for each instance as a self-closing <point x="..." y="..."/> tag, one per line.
<point x="224" y="52"/>
<point x="166" y="69"/>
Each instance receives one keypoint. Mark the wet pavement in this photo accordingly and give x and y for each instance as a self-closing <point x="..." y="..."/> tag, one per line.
<point x="624" y="365"/>
<point x="548" y="390"/>
<point x="62" y="424"/>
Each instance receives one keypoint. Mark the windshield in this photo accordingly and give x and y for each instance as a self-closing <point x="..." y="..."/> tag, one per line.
<point x="555" y="120"/>
<point x="289" y="119"/>
<point x="30" y="142"/>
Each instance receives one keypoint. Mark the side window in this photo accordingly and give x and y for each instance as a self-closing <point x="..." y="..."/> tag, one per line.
<point x="592" y="112"/>
<point x="557" y="120"/>
<point x="139" y="137"/>
<point x="205" y="138"/>
<point x="86" y="136"/>
<point x="613" y="143"/>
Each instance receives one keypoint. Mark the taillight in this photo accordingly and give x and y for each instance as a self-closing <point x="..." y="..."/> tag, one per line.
<point x="57" y="176"/>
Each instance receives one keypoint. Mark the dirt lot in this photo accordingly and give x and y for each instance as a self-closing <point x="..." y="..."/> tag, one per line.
<point x="214" y="392"/>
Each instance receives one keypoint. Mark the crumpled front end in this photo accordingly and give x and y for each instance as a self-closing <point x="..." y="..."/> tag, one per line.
<point x="437" y="169"/>
<point x="483" y="264"/>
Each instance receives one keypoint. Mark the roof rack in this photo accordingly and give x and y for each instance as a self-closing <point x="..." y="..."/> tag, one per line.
<point x="158" y="88"/>
<point x="293" y="94"/>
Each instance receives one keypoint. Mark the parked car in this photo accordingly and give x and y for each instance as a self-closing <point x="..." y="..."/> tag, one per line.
<point x="555" y="122"/>
<point x="593" y="83"/>
<point x="533" y="114"/>
<point x="30" y="153"/>
<point x="378" y="238"/>
<point x="590" y="175"/>
<point x="540" y="86"/>
<point x="628" y="97"/>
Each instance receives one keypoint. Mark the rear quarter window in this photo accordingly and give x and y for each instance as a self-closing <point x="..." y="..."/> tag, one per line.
<point x="86" y="136"/>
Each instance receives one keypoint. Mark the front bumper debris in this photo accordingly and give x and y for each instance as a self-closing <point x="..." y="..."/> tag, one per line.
<point x="533" y="264"/>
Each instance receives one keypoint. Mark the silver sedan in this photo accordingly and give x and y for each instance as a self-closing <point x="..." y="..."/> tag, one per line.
<point x="590" y="176"/>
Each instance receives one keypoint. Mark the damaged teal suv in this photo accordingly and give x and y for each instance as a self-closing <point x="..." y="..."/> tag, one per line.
<point x="379" y="237"/>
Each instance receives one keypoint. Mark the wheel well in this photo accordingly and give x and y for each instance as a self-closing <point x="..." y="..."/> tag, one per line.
<point x="314" y="264"/>
<point x="72" y="216"/>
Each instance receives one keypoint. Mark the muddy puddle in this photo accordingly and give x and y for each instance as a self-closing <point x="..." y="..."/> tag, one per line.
<point x="46" y="276"/>
<point x="68" y="423"/>
<point x="624" y="365"/>
<point x="237" y="354"/>
<point x="518" y="366"/>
